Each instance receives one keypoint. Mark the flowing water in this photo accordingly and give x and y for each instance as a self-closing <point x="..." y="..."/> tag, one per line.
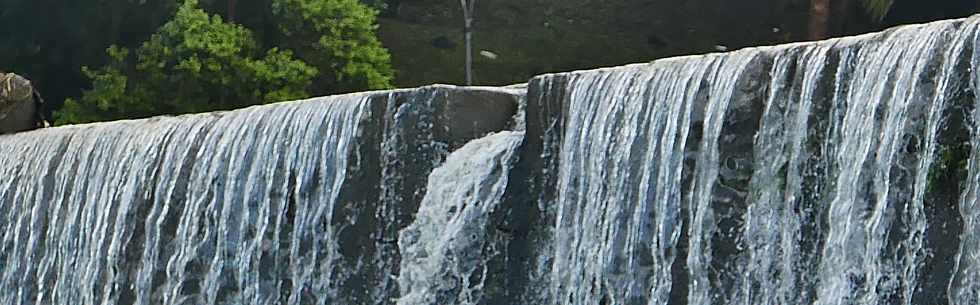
<point x="841" y="172"/>
<point x="445" y="251"/>
<point x="205" y="209"/>
<point x="820" y="173"/>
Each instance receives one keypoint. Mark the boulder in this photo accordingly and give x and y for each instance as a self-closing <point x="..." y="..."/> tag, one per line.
<point x="18" y="110"/>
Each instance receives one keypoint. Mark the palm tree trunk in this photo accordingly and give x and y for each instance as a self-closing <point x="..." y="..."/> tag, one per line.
<point x="819" y="19"/>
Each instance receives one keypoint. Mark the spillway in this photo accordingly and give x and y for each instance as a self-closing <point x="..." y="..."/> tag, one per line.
<point x="293" y="203"/>
<point x="836" y="172"/>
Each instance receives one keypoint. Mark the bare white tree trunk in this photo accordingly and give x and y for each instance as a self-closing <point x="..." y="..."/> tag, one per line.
<point x="467" y="6"/>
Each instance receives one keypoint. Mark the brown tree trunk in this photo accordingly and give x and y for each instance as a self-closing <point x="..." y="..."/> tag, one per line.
<point x="819" y="19"/>
<point x="232" y="5"/>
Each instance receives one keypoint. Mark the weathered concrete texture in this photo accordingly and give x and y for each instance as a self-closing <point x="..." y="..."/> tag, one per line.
<point x="396" y="139"/>
<point x="408" y="133"/>
<point x="18" y="112"/>
<point x="595" y="108"/>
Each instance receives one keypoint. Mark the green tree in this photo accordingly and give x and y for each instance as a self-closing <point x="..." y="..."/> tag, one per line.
<point x="878" y="8"/>
<point x="338" y="38"/>
<point x="195" y="62"/>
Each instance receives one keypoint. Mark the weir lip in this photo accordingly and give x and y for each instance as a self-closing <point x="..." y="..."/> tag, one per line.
<point x="225" y="206"/>
<point x="804" y="179"/>
<point x="773" y="173"/>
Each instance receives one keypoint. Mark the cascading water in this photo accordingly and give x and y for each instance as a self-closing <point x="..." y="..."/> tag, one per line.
<point x="206" y="209"/>
<point x="279" y="204"/>
<point x="817" y="173"/>
<point x="445" y="251"/>
<point x="830" y="173"/>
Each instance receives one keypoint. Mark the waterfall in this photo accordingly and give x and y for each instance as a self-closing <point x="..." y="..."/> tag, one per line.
<point x="838" y="172"/>
<point x="815" y="173"/>
<point x="445" y="251"/>
<point x="205" y="209"/>
<point x="293" y="203"/>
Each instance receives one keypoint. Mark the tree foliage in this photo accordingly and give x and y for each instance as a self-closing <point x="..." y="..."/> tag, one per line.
<point x="379" y="5"/>
<point x="337" y="37"/>
<point x="196" y="62"/>
<point x="878" y="8"/>
<point x="48" y="41"/>
<point x="199" y="62"/>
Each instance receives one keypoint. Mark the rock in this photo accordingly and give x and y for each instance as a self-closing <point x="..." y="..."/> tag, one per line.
<point x="18" y="111"/>
<point x="488" y="54"/>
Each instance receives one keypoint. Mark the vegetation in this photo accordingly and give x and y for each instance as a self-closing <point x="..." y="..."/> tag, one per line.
<point x="381" y="5"/>
<point x="878" y="8"/>
<point x="194" y="63"/>
<point x="337" y="37"/>
<point x="48" y="41"/>
<point x="142" y="58"/>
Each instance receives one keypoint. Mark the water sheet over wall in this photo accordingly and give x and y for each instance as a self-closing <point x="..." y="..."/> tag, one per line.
<point x="836" y="172"/>
<point x="448" y="251"/>
<point x="293" y="203"/>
